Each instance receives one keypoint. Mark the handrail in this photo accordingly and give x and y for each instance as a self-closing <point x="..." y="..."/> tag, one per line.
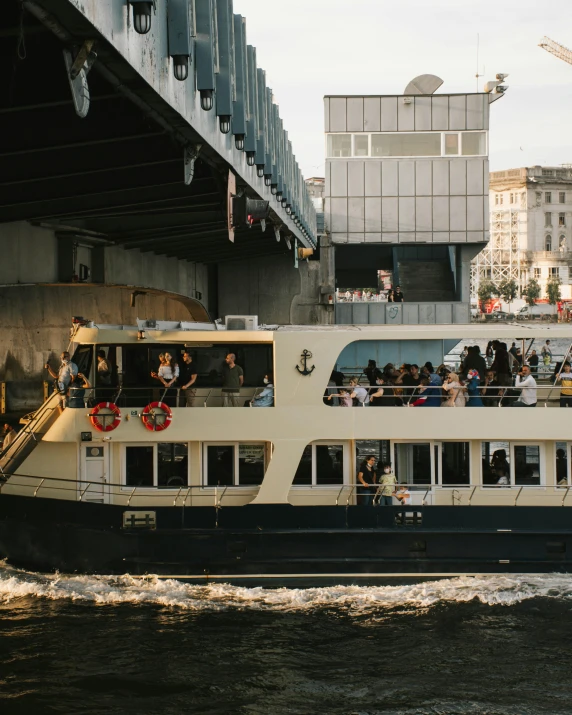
<point x="517" y="496"/>
<point x="354" y="486"/>
<point x="423" y="501"/>
<point x="471" y="495"/>
<point x="565" y="495"/>
<point x="84" y="491"/>
<point x="340" y="493"/>
<point x="38" y="487"/>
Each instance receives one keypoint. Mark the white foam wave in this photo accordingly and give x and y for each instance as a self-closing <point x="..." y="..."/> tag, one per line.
<point x="502" y="589"/>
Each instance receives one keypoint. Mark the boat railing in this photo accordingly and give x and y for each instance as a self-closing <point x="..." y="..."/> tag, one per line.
<point x="125" y="396"/>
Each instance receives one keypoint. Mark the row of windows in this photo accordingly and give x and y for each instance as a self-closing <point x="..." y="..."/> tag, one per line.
<point x="503" y="463"/>
<point x="553" y="271"/>
<point x="548" y="196"/>
<point x="403" y="144"/>
<point x="548" y="219"/>
<point x="548" y="245"/>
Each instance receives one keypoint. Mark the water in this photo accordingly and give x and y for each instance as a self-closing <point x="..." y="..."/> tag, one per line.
<point x="493" y="645"/>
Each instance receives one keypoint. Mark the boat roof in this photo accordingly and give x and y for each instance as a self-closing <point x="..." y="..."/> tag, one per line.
<point x="106" y="334"/>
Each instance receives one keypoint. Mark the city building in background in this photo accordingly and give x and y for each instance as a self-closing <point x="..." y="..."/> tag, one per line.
<point x="406" y="193"/>
<point x="530" y="229"/>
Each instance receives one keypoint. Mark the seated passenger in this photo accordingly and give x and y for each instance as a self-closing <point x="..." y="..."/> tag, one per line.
<point x="410" y="379"/>
<point x="403" y="494"/>
<point x="420" y="399"/>
<point x="527" y="384"/>
<point x="383" y="396"/>
<point x="76" y="391"/>
<point x="266" y="397"/>
<point x="430" y="392"/>
<point x="456" y="391"/>
<point x="9" y="436"/>
<point x="490" y="390"/>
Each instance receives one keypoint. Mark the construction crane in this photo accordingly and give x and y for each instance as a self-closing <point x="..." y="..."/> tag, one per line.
<point x="555" y="49"/>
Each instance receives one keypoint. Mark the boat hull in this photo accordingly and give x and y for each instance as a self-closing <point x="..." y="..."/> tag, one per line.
<point x="284" y="545"/>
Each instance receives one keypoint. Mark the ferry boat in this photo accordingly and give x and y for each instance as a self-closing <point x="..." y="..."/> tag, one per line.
<point x="133" y="482"/>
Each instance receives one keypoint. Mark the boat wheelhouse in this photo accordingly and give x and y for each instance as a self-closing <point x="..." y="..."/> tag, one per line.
<point x="270" y="494"/>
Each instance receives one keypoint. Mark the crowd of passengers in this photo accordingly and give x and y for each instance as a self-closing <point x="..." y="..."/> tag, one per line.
<point x="74" y="386"/>
<point x="501" y="378"/>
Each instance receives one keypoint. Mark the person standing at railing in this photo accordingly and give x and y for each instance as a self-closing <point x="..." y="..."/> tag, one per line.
<point x="386" y="489"/>
<point x="9" y="436"/>
<point x="67" y="372"/>
<point x="565" y="380"/>
<point x="103" y="370"/>
<point x="501" y="364"/>
<point x="76" y="391"/>
<point x="367" y="479"/>
<point x="527" y="384"/>
<point x="187" y="378"/>
<point x="533" y="362"/>
<point x="546" y="353"/>
<point x="232" y="380"/>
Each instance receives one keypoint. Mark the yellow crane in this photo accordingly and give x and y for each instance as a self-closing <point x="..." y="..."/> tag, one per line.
<point x="555" y="49"/>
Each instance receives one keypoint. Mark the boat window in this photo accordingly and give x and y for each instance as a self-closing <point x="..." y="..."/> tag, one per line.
<point x="496" y="463"/>
<point x="562" y="462"/>
<point x="413" y="463"/>
<point x="237" y="464"/>
<point x="526" y="464"/>
<point x="322" y="464"/>
<point x="172" y="464"/>
<point x="139" y="466"/>
<point x="378" y="448"/>
<point x="83" y="357"/>
<point x="454" y="467"/>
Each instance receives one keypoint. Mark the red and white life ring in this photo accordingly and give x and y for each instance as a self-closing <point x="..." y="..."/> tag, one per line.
<point x="101" y="426"/>
<point x="149" y="416"/>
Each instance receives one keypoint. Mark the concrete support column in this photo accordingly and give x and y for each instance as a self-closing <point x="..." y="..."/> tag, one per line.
<point x="465" y="255"/>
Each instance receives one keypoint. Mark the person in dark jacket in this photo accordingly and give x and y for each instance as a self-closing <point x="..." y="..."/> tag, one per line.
<point x="475" y="361"/>
<point x="501" y="364"/>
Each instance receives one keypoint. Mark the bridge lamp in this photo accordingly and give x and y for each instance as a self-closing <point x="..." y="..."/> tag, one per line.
<point x="279" y="196"/>
<point x="224" y="123"/>
<point x="141" y="16"/>
<point x="239" y="142"/>
<point x="250" y="158"/>
<point x="273" y="189"/>
<point x="207" y="99"/>
<point x="267" y="179"/>
<point x="260" y="170"/>
<point x="181" y="67"/>
<point x="284" y="203"/>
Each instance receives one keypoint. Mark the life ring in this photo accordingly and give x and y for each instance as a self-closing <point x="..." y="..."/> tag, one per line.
<point x="101" y="426"/>
<point x="148" y="416"/>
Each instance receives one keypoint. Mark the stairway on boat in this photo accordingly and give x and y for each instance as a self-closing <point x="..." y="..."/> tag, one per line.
<point x="30" y="435"/>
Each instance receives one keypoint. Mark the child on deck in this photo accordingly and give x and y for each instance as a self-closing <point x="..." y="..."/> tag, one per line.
<point x="345" y="398"/>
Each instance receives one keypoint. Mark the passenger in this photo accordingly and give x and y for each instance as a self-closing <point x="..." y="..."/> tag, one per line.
<point x="565" y="379"/>
<point x="456" y="391"/>
<point x="343" y="398"/>
<point x="489" y="353"/>
<point x="66" y="373"/>
<point x="359" y="393"/>
<point x="429" y="371"/>
<point x="546" y="353"/>
<point x="490" y="391"/>
<point x="513" y="349"/>
<point x="561" y="468"/>
<point x="474" y="361"/>
<point x="386" y="488"/>
<point x="533" y="362"/>
<point x="187" y="379"/>
<point x="382" y="397"/>
<point x="397" y="296"/>
<point x="103" y="370"/>
<point x="410" y="378"/>
<point x="499" y="463"/>
<point x="501" y="365"/>
<point x="527" y="383"/>
<point x="266" y="397"/>
<point x="367" y="479"/>
<point x="330" y="390"/>
<point x="472" y="387"/>
<point x="76" y="391"/>
<point x="464" y="353"/>
<point x="518" y="357"/>
<point x="503" y="477"/>
<point x="9" y="436"/>
<point x="371" y="372"/>
<point x="403" y="494"/>
<point x="232" y="381"/>
<point x="337" y="377"/>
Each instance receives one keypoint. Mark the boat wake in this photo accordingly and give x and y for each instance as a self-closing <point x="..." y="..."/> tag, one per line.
<point x="492" y="590"/>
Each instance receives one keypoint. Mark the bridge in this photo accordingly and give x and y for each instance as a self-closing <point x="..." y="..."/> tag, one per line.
<point x="127" y="128"/>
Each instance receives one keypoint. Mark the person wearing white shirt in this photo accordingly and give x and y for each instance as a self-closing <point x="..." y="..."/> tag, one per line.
<point x="67" y="372"/>
<point x="527" y="383"/>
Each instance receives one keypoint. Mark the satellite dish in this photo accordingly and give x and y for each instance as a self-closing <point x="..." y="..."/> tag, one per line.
<point x="424" y="84"/>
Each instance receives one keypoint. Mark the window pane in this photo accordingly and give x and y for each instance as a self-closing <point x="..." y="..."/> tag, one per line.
<point x="451" y="144"/>
<point x="561" y="464"/>
<point x="361" y="142"/>
<point x="250" y="463"/>
<point x="496" y="465"/>
<point x="172" y="465"/>
<point x="413" y="463"/>
<point x="455" y="463"/>
<point x="139" y="466"/>
<point x="423" y="144"/>
<point x="329" y="464"/>
<point x="380" y="449"/>
<point x="220" y="465"/>
<point x="304" y="472"/>
<point x="339" y="145"/>
<point x="527" y="464"/>
<point x="474" y="143"/>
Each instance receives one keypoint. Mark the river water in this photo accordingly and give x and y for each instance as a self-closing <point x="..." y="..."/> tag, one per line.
<point x="491" y="645"/>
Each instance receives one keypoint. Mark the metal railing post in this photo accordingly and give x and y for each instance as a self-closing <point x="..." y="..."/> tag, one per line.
<point x="2" y="398"/>
<point x="518" y="494"/>
<point x="565" y="495"/>
<point x="471" y="496"/>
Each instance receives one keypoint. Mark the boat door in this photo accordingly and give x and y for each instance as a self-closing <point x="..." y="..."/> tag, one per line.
<point x="414" y="464"/>
<point x="94" y="483"/>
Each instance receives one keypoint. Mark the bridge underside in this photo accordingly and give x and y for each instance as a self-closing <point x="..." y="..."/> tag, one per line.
<point x="115" y="175"/>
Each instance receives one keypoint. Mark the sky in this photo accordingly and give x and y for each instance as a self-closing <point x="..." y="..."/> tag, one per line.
<point x="310" y="48"/>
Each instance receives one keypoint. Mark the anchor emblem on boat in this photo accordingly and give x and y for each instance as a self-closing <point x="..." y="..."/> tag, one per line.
<point x="304" y="357"/>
